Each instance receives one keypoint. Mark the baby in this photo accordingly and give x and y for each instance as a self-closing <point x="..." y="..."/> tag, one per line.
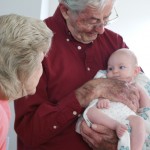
<point x="122" y="65"/>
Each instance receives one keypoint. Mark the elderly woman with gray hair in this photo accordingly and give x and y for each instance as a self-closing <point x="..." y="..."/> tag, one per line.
<point x="81" y="46"/>
<point x="24" y="42"/>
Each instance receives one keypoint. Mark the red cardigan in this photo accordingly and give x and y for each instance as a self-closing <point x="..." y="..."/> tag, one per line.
<point x="46" y="120"/>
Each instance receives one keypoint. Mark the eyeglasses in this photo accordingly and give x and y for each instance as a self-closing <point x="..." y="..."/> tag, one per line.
<point x="114" y="15"/>
<point x="106" y="21"/>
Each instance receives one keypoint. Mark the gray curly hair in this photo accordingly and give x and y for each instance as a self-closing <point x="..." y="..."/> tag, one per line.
<point x="22" y="39"/>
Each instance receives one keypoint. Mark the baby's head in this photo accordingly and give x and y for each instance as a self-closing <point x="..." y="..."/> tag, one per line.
<point x="123" y="65"/>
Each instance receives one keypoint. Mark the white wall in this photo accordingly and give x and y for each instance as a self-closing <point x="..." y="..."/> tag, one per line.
<point x="48" y="8"/>
<point x="133" y="24"/>
<point x="23" y="7"/>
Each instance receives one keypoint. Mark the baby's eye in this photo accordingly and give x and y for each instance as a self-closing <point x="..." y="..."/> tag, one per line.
<point x="122" y="67"/>
<point x="109" y="69"/>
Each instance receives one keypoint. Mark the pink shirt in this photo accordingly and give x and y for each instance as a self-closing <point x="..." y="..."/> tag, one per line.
<point x="4" y="122"/>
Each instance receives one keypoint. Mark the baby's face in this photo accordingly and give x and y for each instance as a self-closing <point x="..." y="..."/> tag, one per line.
<point x="121" y="67"/>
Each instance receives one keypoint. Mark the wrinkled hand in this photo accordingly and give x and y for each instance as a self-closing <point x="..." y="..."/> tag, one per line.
<point x="112" y="89"/>
<point x="99" y="137"/>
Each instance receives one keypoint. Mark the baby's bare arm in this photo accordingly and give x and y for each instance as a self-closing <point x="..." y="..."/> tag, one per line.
<point x="144" y="100"/>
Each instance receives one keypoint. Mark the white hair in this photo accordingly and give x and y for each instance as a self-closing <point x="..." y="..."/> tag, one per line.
<point x="79" y="5"/>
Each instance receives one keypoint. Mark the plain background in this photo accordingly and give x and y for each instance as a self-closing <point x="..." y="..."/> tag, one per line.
<point x="133" y="24"/>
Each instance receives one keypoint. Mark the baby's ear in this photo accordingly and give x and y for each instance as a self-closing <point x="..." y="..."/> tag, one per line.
<point x="137" y="70"/>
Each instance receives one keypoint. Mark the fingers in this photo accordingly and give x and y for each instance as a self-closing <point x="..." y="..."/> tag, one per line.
<point x="107" y="134"/>
<point x="103" y="103"/>
<point x="96" y="136"/>
<point x="87" y="134"/>
<point x="99" y="128"/>
<point x="85" y="130"/>
<point x="92" y="137"/>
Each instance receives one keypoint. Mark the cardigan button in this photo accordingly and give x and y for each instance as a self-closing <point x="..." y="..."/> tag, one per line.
<point x="74" y="113"/>
<point x="54" y="127"/>
<point x="67" y="40"/>
<point x="79" y="47"/>
<point x="88" y="68"/>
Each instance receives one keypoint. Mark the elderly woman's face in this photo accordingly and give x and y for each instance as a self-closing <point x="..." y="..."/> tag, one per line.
<point x="33" y="80"/>
<point x="89" y="23"/>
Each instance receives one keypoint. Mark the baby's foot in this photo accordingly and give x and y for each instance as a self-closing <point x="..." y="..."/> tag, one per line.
<point x="120" y="130"/>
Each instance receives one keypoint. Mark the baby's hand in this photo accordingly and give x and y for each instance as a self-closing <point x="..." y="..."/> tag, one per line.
<point x="103" y="103"/>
